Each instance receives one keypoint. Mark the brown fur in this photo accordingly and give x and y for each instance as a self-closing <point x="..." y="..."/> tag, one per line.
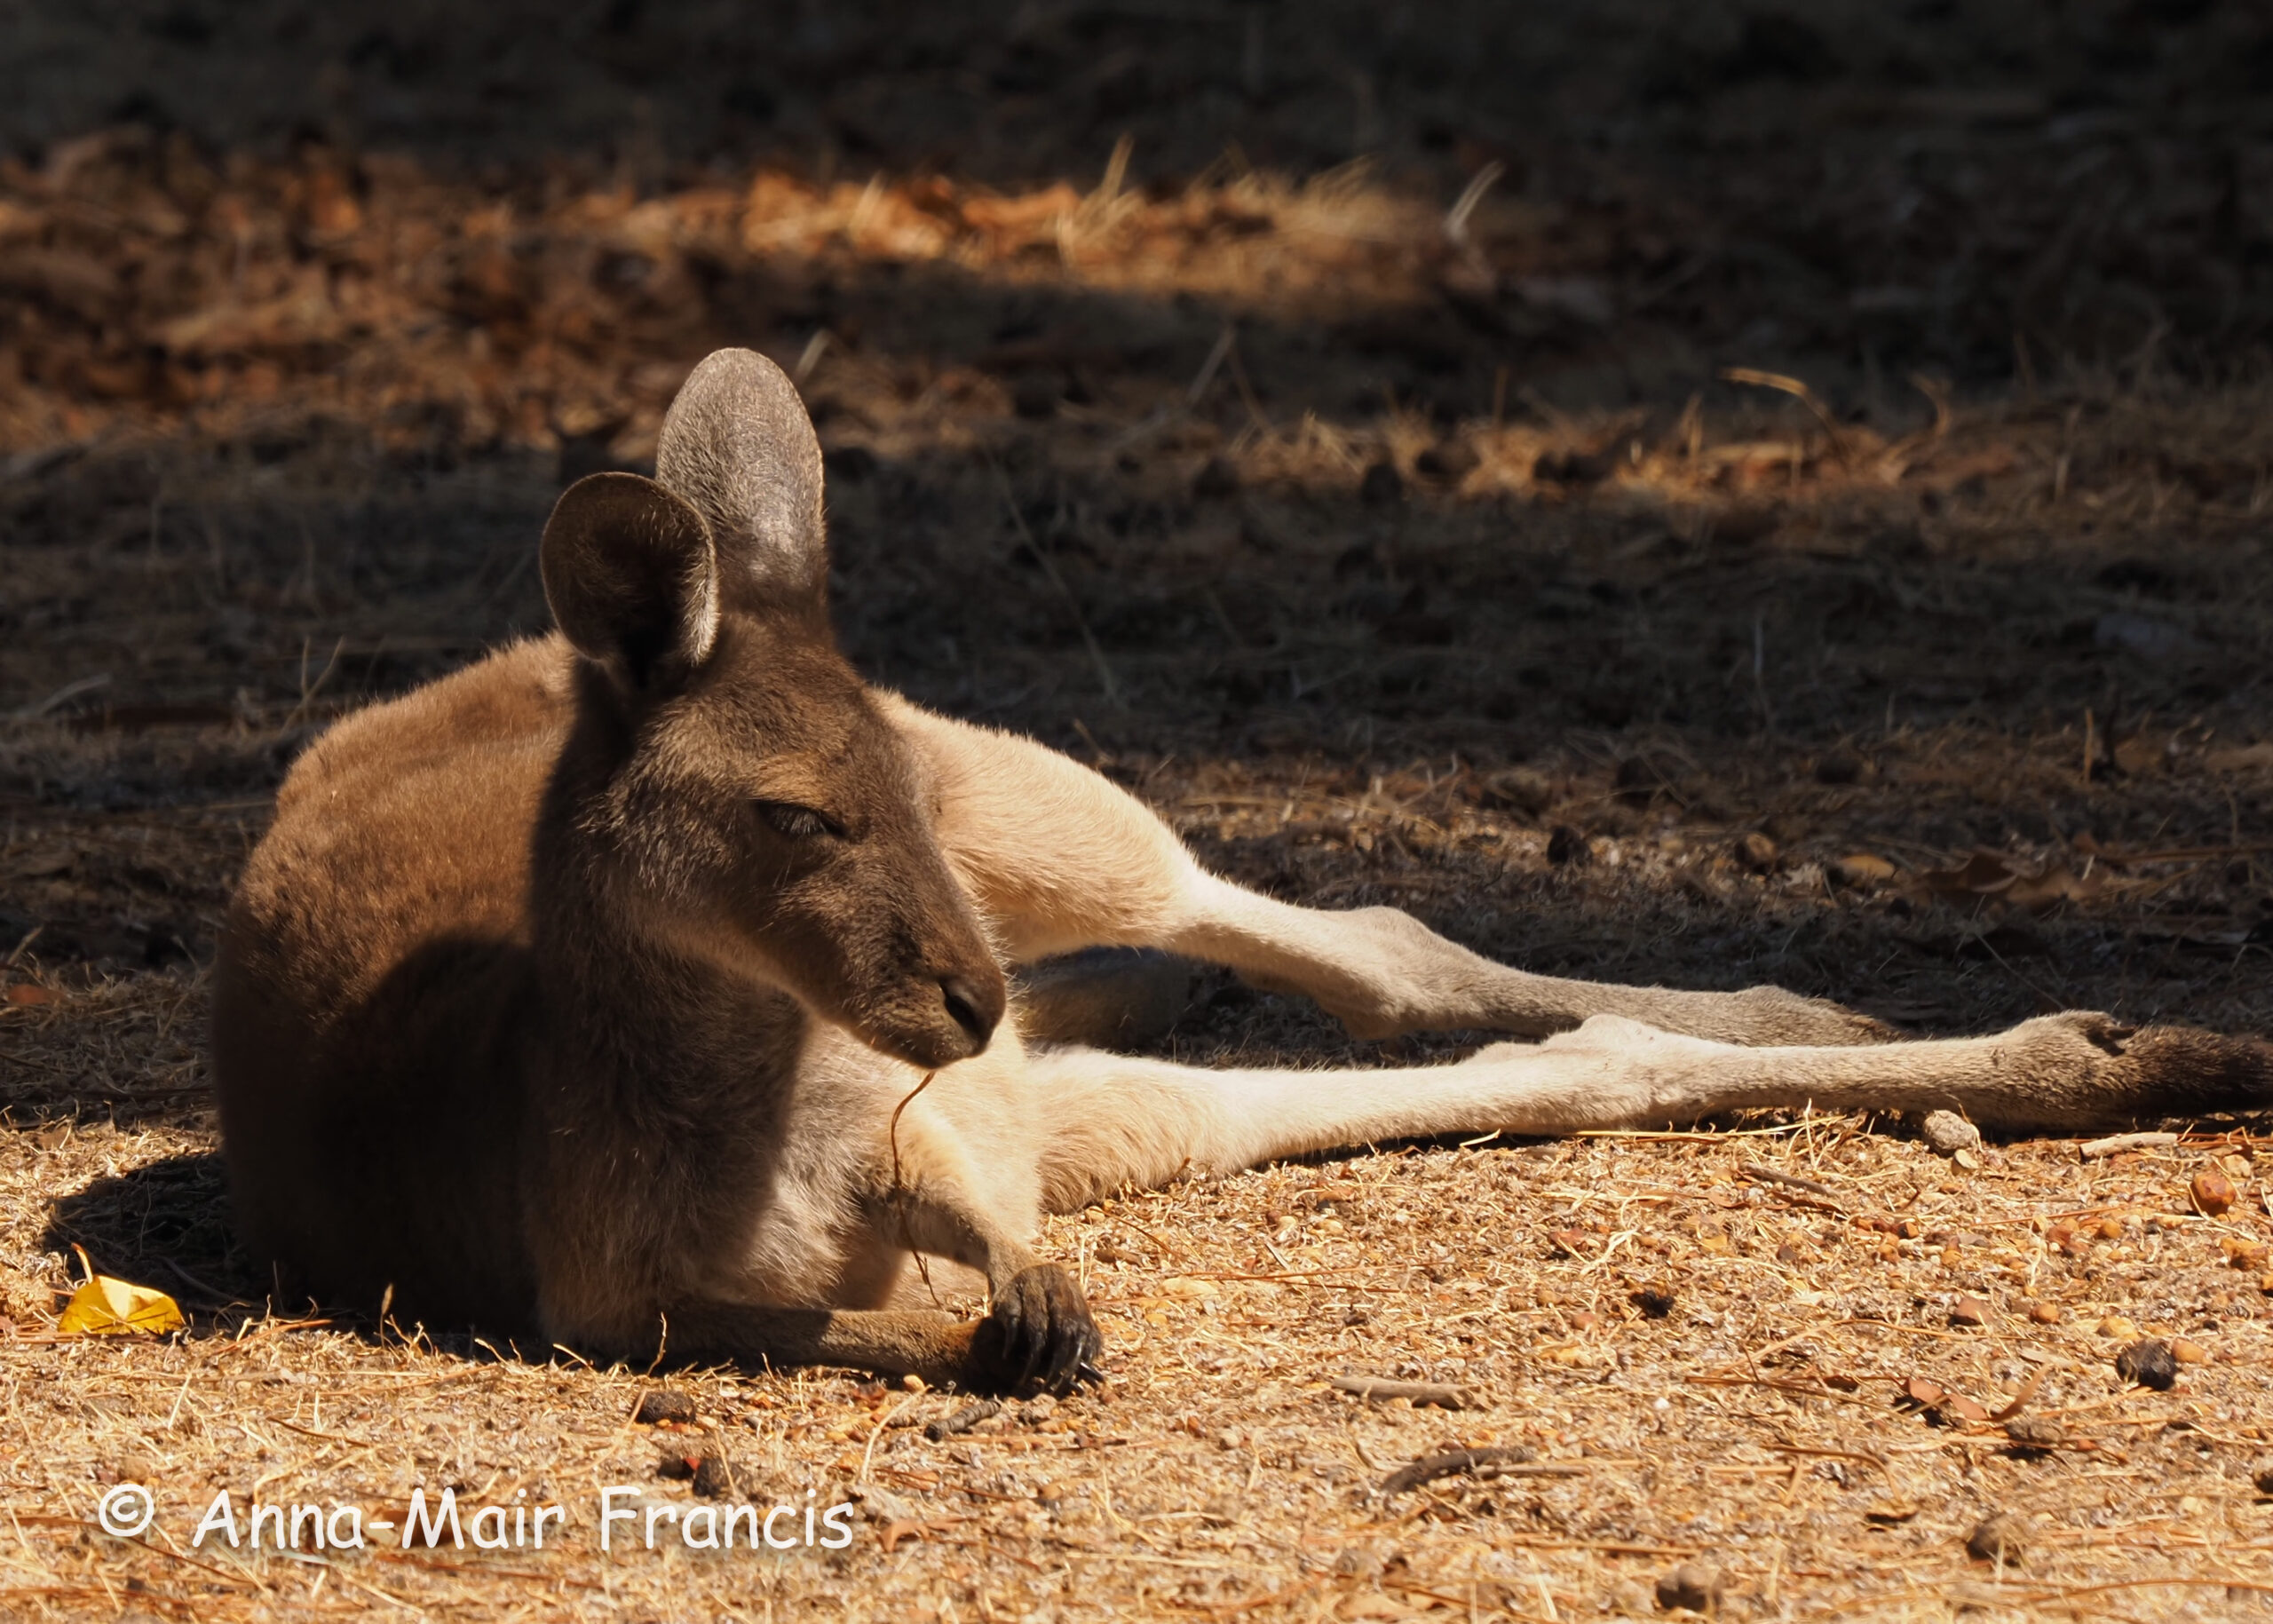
<point x="575" y="994"/>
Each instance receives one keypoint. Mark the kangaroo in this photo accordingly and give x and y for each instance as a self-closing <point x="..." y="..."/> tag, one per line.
<point x="645" y="987"/>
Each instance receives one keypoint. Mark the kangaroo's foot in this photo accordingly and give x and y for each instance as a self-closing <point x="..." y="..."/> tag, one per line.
<point x="1038" y="1337"/>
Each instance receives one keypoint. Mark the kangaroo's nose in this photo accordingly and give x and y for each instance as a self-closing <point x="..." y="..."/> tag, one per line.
<point x="976" y="1010"/>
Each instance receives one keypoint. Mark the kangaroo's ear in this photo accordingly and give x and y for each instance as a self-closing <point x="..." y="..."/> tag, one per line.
<point x="632" y="579"/>
<point x="737" y="443"/>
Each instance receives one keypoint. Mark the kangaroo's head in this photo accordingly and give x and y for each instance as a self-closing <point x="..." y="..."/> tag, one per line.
<point x="734" y="788"/>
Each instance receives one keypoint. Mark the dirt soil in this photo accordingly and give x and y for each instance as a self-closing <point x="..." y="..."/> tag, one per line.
<point x="1703" y="494"/>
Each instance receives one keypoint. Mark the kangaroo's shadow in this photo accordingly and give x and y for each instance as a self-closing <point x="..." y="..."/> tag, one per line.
<point x="165" y="1224"/>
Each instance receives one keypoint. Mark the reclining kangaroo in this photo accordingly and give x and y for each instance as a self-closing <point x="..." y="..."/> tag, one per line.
<point x="583" y="994"/>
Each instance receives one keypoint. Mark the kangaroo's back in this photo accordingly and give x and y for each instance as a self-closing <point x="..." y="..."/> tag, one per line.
<point x="374" y="961"/>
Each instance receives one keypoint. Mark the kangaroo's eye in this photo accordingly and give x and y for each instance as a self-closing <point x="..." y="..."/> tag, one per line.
<point x="797" y="822"/>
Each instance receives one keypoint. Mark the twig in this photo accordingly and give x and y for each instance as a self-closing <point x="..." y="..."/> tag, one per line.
<point x="899" y="1190"/>
<point x="1379" y="1387"/>
<point x="1800" y="391"/>
<point x="1820" y="1196"/>
<point x="1804" y="1389"/>
<point x="1212" y="365"/>
<point x="1471" y="194"/>
<point x="1938" y="394"/>
<point x="809" y="357"/>
<point x="965" y="1419"/>
<point x="1753" y="1169"/>
<point x="889" y="1417"/>
<point x="2020" y="1399"/>
<point x="2115" y="1145"/>
<point x="63" y="695"/>
<point x="308" y="690"/>
<point x="1482" y="1464"/>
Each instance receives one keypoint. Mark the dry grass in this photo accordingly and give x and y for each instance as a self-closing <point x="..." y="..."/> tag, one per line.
<point x="1760" y="1425"/>
<point x="1444" y="570"/>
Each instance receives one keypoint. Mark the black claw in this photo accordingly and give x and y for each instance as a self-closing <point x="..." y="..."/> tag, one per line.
<point x="1039" y="1336"/>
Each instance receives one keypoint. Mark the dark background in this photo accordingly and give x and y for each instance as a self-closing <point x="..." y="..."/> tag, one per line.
<point x="307" y="311"/>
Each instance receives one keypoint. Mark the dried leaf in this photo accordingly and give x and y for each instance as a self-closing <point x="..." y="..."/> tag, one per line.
<point x="108" y="1307"/>
<point x="2020" y="1399"/>
<point x="1984" y="874"/>
<point x="1995" y="874"/>
<point x="903" y="1528"/>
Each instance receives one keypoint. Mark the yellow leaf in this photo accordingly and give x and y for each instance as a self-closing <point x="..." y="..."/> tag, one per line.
<point x="106" y="1307"/>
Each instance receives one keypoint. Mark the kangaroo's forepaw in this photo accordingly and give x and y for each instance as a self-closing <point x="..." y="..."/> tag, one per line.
<point x="1038" y="1337"/>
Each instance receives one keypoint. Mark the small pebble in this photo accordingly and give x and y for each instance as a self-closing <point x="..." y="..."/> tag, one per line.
<point x="2188" y="1352"/>
<point x="1995" y="1539"/>
<point x="1969" y="1310"/>
<point x="2213" y="1192"/>
<point x="2044" y="1313"/>
<point x="2118" y="1324"/>
<point x="1693" y="1587"/>
<point x="2035" y="1432"/>
<point x="1655" y="1302"/>
<point x="1755" y="851"/>
<point x="2262" y="1475"/>
<point x="1948" y="1132"/>
<point x="714" y="1478"/>
<point x="2151" y="1363"/>
<point x="662" y="1404"/>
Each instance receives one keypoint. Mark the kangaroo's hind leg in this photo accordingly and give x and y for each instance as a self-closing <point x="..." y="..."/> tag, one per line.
<point x="1114" y="1120"/>
<point x="1061" y="860"/>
